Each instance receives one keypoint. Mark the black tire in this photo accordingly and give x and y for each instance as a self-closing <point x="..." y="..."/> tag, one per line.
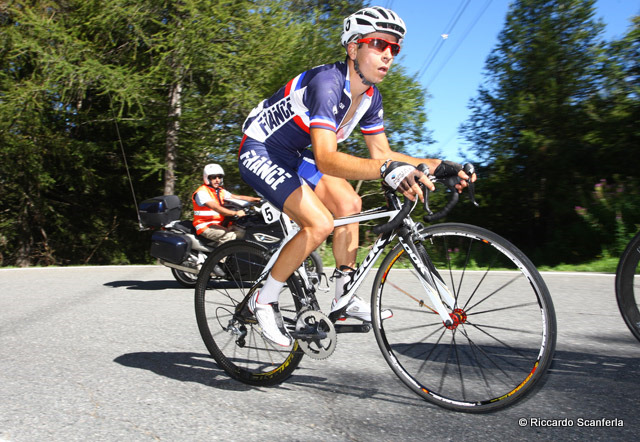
<point x="185" y="279"/>
<point x="628" y="285"/>
<point x="313" y="266"/>
<point x="503" y="338"/>
<point x="233" y="338"/>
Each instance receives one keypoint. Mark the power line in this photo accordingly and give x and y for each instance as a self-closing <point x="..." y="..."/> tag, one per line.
<point x="442" y="38"/>
<point x="464" y="36"/>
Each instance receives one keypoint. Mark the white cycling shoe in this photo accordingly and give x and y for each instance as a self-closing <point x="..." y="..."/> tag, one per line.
<point x="270" y="320"/>
<point x="357" y="308"/>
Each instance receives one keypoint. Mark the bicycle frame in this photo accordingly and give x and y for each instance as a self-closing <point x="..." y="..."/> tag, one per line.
<point x="435" y="289"/>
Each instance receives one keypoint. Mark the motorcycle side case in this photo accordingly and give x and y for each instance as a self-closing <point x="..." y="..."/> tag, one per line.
<point x="257" y="230"/>
<point x="169" y="246"/>
<point x="160" y="211"/>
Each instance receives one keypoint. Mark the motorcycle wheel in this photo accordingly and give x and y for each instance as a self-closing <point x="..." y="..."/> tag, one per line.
<point x="185" y="279"/>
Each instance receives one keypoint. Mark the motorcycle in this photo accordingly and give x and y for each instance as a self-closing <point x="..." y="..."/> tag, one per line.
<point x="175" y="244"/>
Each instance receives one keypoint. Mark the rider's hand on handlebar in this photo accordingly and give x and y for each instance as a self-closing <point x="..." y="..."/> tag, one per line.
<point x="405" y="178"/>
<point x="240" y="213"/>
<point x="449" y="168"/>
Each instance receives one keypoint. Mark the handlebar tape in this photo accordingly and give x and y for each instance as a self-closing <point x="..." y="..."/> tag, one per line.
<point x="396" y="221"/>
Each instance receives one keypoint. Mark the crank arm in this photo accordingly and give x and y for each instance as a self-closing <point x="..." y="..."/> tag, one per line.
<point x="353" y="328"/>
<point x="305" y="336"/>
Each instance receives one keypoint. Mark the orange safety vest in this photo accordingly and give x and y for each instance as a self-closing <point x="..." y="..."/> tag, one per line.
<point x="204" y="216"/>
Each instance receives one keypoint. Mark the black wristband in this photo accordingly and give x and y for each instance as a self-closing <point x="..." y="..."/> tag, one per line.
<point x="384" y="166"/>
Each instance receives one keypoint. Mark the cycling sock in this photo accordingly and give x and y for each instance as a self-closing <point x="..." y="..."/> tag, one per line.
<point x="270" y="291"/>
<point x="341" y="276"/>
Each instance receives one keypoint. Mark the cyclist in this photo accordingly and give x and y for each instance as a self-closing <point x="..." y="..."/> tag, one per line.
<point x="321" y="107"/>
<point x="208" y="210"/>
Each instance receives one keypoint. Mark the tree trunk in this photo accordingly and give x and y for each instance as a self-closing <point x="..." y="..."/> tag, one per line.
<point x="171" y="145"/>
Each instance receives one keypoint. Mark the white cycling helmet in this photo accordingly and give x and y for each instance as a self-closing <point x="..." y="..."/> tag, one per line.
<point x="374" y="19"/>
<point x="211" y="169"/>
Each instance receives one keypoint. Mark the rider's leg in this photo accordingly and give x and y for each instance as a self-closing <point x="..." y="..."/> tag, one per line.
<point x="342" y="200"/>
<point x="316" y="223"/>
<point x="218" y="233"/>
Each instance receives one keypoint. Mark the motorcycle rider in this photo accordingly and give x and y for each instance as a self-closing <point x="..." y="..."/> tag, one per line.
<point x="208" y="209"/>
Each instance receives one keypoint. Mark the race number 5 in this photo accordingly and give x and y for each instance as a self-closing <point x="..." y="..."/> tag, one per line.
<point x="269" y="213"/>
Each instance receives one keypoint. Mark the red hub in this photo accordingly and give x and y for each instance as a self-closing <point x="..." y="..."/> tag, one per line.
<point x="458" y="316"/>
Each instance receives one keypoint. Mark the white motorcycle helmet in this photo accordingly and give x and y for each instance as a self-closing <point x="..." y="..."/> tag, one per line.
<point x="374" y="19"/>
<point x="211" y="169"/>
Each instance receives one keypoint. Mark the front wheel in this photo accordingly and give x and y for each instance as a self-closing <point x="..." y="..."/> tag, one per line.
<point x="501" y="336"/>
<point x="628" y="285"/>
<point x="232" y="336"/>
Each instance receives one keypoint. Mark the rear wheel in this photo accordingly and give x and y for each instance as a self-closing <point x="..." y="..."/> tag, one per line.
<point x="501" y="334"/>
<point x="313" y="266"/>
<point x="231" y="334"/>
<point x="185" y="279"/>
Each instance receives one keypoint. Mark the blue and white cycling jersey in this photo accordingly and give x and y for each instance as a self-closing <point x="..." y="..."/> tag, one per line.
<point x="273" y="157"/>
<point x="317" y="98"/>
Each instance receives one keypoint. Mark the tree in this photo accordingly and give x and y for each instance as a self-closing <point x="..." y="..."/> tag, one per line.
<point x="529" y="122"/>
<point x="167" y="83"/>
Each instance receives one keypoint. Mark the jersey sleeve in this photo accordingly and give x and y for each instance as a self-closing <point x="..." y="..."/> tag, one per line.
<point x="322" y="98"/>
<point x="372" y="122"/>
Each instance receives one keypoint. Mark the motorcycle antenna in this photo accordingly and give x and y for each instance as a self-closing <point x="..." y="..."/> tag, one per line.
<point x="126" y="165"/>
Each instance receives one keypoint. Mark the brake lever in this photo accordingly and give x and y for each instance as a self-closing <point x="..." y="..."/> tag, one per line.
<point x="469" y="169"/>
<point x="425" y="190"/>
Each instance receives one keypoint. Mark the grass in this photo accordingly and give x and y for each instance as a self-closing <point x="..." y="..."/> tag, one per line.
<point x="604" y="265"/>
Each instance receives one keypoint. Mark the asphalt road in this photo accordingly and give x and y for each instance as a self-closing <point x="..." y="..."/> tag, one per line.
<point x="114" y="354"/>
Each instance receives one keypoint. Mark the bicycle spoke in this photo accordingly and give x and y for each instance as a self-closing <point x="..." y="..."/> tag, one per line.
<point x="233" y="339"/>
<point x="499" y="309"/>
<point x="501" y="336"/>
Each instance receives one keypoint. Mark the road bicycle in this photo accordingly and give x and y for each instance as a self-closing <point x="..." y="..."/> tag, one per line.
<point x="478" y="342"/>
<point x="628" y="285"/>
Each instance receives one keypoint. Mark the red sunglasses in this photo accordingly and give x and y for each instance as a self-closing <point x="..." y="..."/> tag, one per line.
<point x="381" y="45"/>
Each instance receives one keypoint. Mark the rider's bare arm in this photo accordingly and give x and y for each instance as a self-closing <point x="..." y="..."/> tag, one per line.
<point x="339" y="164"/>
<point x="342" y="165"/>
<point x="251" y="199"/>
<point x="212" y="204"/>
<point x="379" y="148"/>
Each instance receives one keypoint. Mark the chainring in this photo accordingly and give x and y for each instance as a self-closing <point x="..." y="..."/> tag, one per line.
<point x="319" y="338"/>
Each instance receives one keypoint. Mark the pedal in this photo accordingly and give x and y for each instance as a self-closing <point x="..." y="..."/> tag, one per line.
<point x="365" y="327"/>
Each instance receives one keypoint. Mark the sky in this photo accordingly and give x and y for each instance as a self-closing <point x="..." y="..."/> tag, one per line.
<point x="452" y="69"/>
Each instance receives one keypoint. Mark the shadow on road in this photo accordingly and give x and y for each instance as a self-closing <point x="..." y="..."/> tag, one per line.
<point x="200" y="368"/>
<point x="570" y="372"/>
<point x="171" y="284"/>
<point x="146" y="285"/>
<point x="185" y="367"/>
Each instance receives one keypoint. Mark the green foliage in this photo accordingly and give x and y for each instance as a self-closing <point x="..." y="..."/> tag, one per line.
<point x="614" y="216"/>
<point x="556" y="112"/>
<point x="165" y="83"/>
